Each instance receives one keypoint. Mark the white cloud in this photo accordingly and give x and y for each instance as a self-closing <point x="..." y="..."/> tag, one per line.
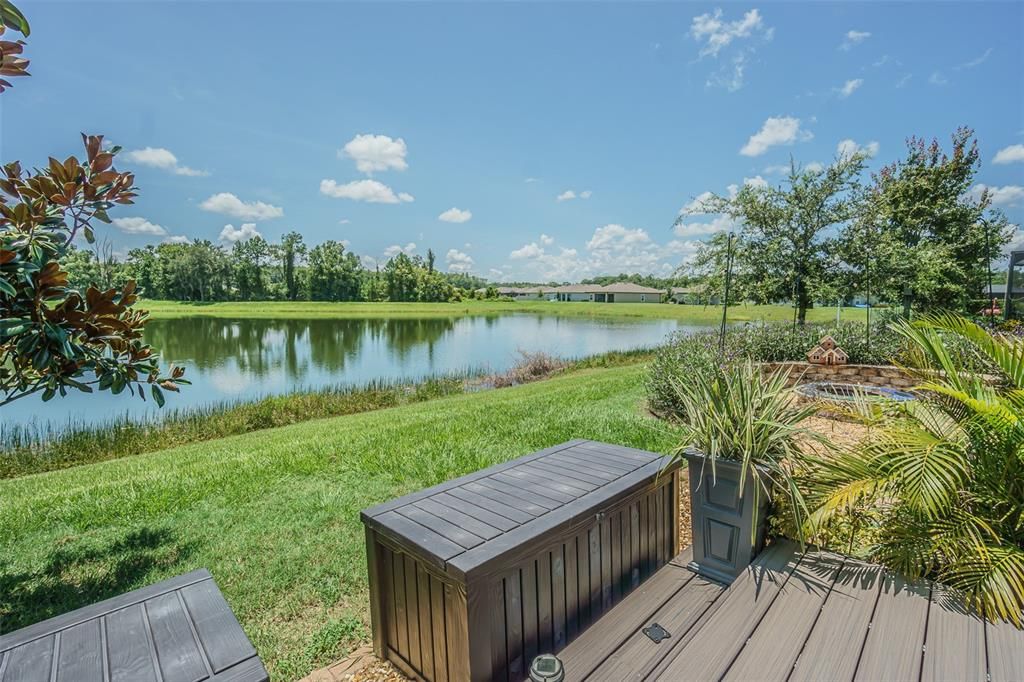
<point x="779" y="169"/>
<point x="526" y="251"/>
<point x="697" y="205"/>
<point x="585" y="194"/>
<point x="1009" y="195"/>
<point x="230" y="234"/>
<point x="547" y="240"/>
<point x="717" y="34"/>
<point x="371" y="191"/>
<point x="850" y="86"/>
<point x="616" y="237"/>
<point x="455" y="215"/>
<point x="395" y="249"/>
<point x="719" y="224"/>
<point x="902" y="82"/>
<point x="532" y="180"/>
<point x="853" y="38"/>
<point x="158" y="157"/>
<point x="177" y="239"/>
<point x="937" y="78"/>
<point x="775" y="131"/>
<point x="818" y="166"/>
<point x="1012" y="154"/>
<point x="228" y="204"/>
<point x="848" y="147"/>
<point x="138" y="226"/>
<point x="375" y="153"/>
<point x="344" y="221"/>
<point x="756" y="181"/>
<point x="458" y="261"/>
<point x="977" y="61"/>
<point x="567" y="195"/>
<point x="406" y="197"/>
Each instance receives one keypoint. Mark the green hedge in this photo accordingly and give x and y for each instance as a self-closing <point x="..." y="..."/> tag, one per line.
<point x="771" y="342"/>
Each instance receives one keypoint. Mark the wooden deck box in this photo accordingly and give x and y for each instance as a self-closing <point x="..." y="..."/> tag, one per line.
<point x="470" y="579"/>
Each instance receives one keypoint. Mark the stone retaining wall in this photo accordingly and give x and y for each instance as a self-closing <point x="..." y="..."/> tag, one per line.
<point x="883" y="376"/>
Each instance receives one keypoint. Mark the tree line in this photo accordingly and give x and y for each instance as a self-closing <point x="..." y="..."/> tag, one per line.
<point x="918" y="233"/>
<point x="258" y="270"/>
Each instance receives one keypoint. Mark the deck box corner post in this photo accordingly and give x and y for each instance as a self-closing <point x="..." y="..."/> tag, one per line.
<point x="676" y="504"/>
<point x="723" y="515"/>
<point x="377" y="625"/>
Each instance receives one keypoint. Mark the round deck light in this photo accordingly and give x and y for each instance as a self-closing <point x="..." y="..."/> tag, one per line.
<point x="547" y="668"/>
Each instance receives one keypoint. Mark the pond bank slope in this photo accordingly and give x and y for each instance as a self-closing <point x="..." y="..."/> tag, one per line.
<point x="274" y="514"/>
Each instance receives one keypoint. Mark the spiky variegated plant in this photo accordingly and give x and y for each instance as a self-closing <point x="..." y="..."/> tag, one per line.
<point x="943" y="479"/>
<point x="737" y="414"/>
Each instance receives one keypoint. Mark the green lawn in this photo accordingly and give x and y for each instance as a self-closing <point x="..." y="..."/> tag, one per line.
<point x="307" y="309"/>
<point x="274" y="514"/>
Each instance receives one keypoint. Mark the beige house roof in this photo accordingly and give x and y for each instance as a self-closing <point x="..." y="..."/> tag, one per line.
<point x="629" y="288"/>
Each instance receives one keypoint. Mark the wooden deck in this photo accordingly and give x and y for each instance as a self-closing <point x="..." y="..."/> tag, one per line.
<point x="794" y="616"/>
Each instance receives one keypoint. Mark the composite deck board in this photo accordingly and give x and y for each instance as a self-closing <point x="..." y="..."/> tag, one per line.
<point x="765" y="655"/>
<point x="895" y="639"/>
<point x="585" y="654"/>
<point x="955" y="640"/>
<point x="710" y="652"/>
<point x="1005" y="648"/>
<point x="833" y="649"/>
<point x="639" y="655"/>
<point x="458" y="518"/>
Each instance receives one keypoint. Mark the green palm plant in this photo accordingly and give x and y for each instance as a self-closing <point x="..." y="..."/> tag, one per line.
<point x="942" y="479"/>
<point x="736" y="413"/>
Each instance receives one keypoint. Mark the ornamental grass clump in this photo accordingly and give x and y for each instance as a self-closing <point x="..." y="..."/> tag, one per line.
<point x="737" y="414"/>
<point x="939" y="487"/>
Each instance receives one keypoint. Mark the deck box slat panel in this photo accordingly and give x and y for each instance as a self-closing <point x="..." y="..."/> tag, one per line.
<point x="219" y="632"/>
<point x="81" y="652"/>
<point x="31" y="662"/>
<point x="437" y="626"/>
<point x="458" y="518"/>
<point x="529" y="554"/>
<point x="511" y="500"/>
<point x="491" y="518"/>
<point x="551" y="467"/>
<point x="492" y="505"/>
<point x="176" y="647"/>
<point x="588" y="466"/>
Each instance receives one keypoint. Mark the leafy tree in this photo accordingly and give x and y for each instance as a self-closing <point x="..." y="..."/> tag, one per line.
<point x="334" y="274"/>
<point x="52" y="336"/>
<point x="786" y="232"/>
<point x="931" y="238"/>
<point x="290" y="251"/>
<point x="400" y="276"/>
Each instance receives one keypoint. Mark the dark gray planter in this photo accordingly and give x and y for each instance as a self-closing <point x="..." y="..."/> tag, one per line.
<point x="723" y="517"/>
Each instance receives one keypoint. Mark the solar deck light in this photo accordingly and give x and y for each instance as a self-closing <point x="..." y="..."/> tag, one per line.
<point x="547" y="668"/>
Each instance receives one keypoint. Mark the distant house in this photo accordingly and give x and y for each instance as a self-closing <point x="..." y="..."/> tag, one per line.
<point x="693" y="296"/>
<point x="618" y="292"/>
<point x="527" y="293"/>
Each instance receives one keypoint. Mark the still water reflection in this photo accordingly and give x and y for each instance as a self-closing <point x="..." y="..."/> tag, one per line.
<point x="230" y="360"/>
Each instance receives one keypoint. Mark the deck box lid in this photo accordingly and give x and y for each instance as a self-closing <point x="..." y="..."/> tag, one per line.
<point x="466" y="525"/>
<point x="181" y="628"/>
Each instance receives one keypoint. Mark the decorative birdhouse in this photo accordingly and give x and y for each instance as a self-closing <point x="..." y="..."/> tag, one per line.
<point x="827" y="352"/>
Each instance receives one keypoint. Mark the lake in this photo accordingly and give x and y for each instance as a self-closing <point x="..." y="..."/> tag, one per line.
<point x="232" y="360"/>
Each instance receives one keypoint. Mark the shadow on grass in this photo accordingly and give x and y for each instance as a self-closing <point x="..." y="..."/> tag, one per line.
<point x="82" y="572"/>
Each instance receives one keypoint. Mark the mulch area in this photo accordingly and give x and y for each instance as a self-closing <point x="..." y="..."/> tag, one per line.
<point x="363" y="666"/>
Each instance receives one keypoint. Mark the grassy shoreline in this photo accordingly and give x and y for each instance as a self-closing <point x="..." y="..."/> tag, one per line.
<point x="274" y="514"/>
<point x="687" y="314"/>
<point x="30" y="450"/>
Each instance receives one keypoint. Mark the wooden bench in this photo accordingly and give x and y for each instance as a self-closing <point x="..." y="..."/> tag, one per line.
<point x="471" y="579"/>
<point x="178" y="630"/>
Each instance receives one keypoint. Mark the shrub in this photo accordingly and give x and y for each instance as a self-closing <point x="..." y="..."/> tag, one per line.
<point x="940" y="488"/>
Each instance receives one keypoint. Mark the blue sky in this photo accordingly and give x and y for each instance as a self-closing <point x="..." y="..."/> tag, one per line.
<point x="566" y="136"/>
